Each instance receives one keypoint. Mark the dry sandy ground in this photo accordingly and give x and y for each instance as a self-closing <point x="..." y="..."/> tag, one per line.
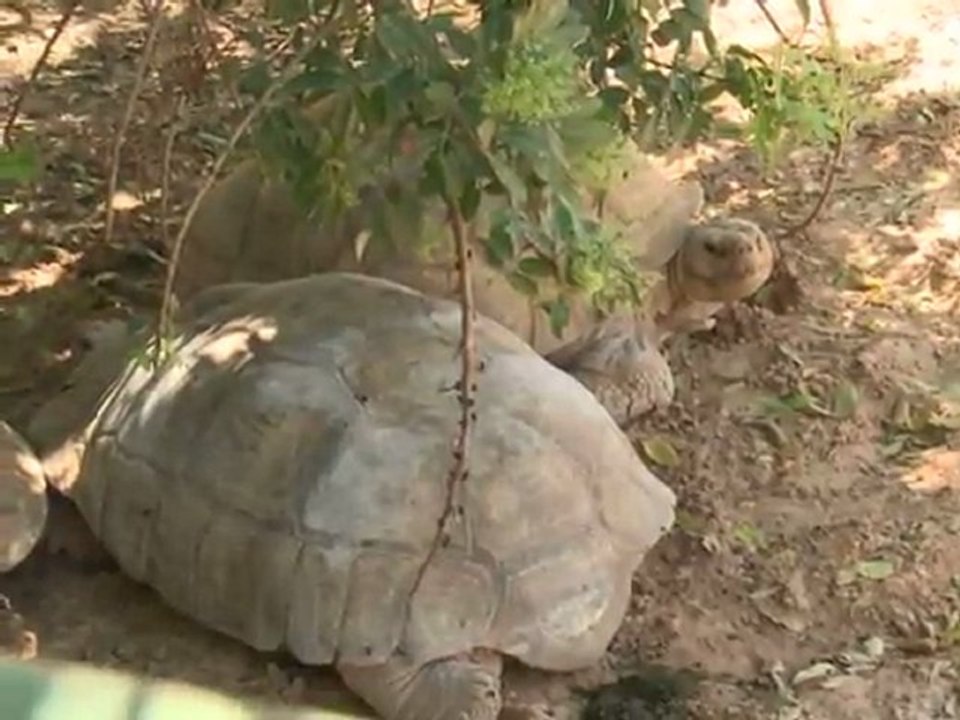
<point x="815" y="569"/>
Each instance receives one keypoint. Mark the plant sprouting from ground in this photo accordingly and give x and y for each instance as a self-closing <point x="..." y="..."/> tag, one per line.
<point x="795" y="98"/>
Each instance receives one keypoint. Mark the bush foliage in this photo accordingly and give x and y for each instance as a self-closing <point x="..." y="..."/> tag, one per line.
<point x="523" y="112"/>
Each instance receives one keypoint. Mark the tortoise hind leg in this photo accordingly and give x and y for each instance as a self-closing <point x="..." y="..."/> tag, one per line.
<point x="457" y="688"/>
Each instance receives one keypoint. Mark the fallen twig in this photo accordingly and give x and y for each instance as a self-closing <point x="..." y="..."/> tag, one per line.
<point x="467" y="387"/>
<point x="58" y="29"/>
<point x="156" y="14"/>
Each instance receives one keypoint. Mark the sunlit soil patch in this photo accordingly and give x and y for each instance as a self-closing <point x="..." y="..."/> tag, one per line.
<point x="42" y="274"/>
<point x="938" y="470"/>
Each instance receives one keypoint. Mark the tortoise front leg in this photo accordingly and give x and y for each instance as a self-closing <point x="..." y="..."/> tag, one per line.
<point x="619" y="362"/>
<point x="672" y="313"/>
<point x="457" y="688"/>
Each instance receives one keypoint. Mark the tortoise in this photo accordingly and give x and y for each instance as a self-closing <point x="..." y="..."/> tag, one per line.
<point x="279" y="479"/>
<point x="249" y="229"/>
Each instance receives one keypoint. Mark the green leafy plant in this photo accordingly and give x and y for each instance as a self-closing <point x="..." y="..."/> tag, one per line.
<point x="518" y="116"/>
<point x="795" y="99"/>
<point x="19" y="164"/>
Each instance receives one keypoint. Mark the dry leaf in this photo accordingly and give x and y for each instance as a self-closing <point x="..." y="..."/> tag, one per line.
<point x="817" y="671"/>
<point x="875" y="569"/>
<point x="660" y="451"/>
<point x="778" y="615"/>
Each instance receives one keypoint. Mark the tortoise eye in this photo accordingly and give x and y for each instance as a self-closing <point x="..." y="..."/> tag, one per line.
<point x="712" y="247"/>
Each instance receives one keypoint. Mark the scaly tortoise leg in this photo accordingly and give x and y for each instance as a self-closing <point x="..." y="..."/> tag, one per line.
<point x="464" y="687"/>
<point x="621" y="365"/>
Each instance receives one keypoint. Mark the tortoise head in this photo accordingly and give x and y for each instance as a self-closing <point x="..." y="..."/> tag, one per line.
<point x="723" y="260"/>
<point x="58" y="430"/>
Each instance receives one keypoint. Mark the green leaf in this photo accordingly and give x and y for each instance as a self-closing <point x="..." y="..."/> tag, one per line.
<point x="509" y="178"/>
<point x="500" y="245"/>
<point x="613" y="98"/>
<point x="660" y="451"/>
<point x="403" y="37"/>
<point x="542" y="150"/>
<point x="20" y="164"/>
<point x="750" y="535"/>
<point x="523" y="284"/>
<point x="463" y="43"/>
<point x="470" y="201"/>
<point x="537" y="267"/>
<point x="559" y="312"/>
<point x="875" y="569"/>
<point x="255" y="80"/>
<point x="566" y="223"/>
<point x="404" y="214"/>
<point x="846" y="397"/>
<point x="700" y="8"/>
<point x="666" y="32"/>
<point x="442" y="95"/>
<point x="802" y="401"/>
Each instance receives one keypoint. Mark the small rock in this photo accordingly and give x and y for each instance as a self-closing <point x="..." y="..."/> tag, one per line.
<point x="874" y="647"/>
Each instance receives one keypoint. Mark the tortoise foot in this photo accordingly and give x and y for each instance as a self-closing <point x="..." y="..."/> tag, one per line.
<point x="459" y="688"/>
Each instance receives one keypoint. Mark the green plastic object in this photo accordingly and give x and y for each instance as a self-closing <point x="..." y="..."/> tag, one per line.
<point x="44" y="690"/>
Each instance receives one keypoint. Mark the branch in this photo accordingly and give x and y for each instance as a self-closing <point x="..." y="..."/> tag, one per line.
<point x="58" y="29"/>
<point x="142" y="68"/>
<point x="762" y="4"/>
<point x="827" y="12"/>
<point x="701" y="72"/>
<point x="830" y="177"/>
<point x="166" y="304"/>
<point x="172" y="132"/>
<point x="467" y="387"/>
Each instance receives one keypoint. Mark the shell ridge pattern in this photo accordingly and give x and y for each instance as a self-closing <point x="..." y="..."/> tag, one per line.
<point x="343" y="416"/>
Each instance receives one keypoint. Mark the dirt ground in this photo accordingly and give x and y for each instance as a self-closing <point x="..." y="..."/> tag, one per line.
<point x="814" y="572"/>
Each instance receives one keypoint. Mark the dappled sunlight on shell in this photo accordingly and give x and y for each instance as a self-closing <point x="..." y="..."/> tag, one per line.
<point x="239" y="340"/>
